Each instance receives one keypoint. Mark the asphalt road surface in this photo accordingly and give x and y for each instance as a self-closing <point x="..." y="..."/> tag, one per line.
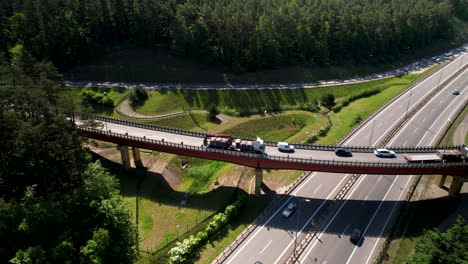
<point x="373" y="201"/>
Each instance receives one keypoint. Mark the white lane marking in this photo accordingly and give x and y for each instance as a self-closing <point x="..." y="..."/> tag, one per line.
<point x="388" y="219"/>
<point x="310" y="218"/>
<point x="380" y="177"/>
<point x="422" y="97"/>
<point x="317" y="188"/>
<point x="344" y="230"/>
<point x="333" y="218"/>
<point x="266" y="246"/>
<point x="372" y="219"/>
<point x="364" y="200"/>
<point x="440" y="116"/>
<point x="404" y="143"/>
<point x="426" y="105"/>
<point x="271" y="217"/>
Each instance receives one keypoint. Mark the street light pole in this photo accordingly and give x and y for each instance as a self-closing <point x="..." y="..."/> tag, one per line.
<point x="409" y="100"/>
<point x="372" y="133"/>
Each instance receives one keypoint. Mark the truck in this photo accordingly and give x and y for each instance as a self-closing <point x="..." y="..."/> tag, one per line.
<point x="422" y="158"/>
<point x="223" y="141"/>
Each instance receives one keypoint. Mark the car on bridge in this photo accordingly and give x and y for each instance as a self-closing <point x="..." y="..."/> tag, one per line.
<point x="384" y="153"/>
<point x="284" y="146"/>
<point x="343" y="152"/>
<point x="290" y="209"/>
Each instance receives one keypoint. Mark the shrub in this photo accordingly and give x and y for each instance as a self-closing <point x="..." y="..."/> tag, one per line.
<point x="311" y="138"/>
<point x="324" y="130"/>
<point x="138" y="95"/>
<point x="328" y="101"/>
<point x="91" y="97"/>
<point x="182" y="250"/>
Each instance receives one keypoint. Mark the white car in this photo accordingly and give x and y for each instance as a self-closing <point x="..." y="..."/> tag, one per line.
<point x="284" y="146"/>
<point x="384" y="153"/>
<point x="289" y="210"/>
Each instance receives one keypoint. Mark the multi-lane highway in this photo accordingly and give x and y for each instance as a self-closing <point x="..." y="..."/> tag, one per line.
<point x="373" y="201"/>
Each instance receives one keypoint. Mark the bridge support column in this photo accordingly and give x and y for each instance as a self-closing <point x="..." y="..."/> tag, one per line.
<point x="258" y="181"/>
<point x="125" y="156"/>
<point x="137" y="157"/>
<point x="455" y="186"/>
<point x="440" y="180"/>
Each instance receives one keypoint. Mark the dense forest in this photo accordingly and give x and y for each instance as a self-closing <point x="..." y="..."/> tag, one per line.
<point x="56" y="206"/>
<point x="244" y="35"/>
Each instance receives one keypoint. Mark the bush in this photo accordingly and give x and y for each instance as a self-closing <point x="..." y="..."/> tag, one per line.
<point x="138" y="96"/>
<point x="328" y="101"/>
<point x="311" y="138"/>
<point x="91" y="97"/>
<point x="324" y="130"/>
<point x="182" y="250"/>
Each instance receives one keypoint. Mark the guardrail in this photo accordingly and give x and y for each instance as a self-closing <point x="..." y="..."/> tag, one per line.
<point x="288" y="159"/>
<point x="268" y="143"/>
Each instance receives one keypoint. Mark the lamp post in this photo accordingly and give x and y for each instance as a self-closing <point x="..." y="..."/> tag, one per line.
<point x="409" y="100"/>
<point x="372" y="133"/>
<point x="297" y="223"/>
<point x="447" y="137"/>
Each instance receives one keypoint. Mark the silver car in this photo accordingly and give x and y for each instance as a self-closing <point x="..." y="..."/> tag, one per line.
<point x="289" y="210"/>
<point x="384" y="153"/>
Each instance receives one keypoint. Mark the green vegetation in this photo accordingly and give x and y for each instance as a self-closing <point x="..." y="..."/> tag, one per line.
<point x="200" y="178"/>
<point x="195" y="121"/>
<point x="248" y="102"/>
<point x="448" y="137"/>
<point x="183" y="250"/>
<point x="437" y="247"/>
<point x="277" y="127"/>
<point x="56" y="206"/>
<point x="350" y="116"/>
<point x="250" y="37"/>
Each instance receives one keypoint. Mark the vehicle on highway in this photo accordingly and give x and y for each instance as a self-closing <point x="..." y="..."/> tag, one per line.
<point x="384" y="153"/>
<point x="343" y="152"/>
<point x="289" y="210"/>
<point x="223" y="141"/>
<point x="456" y="92"/>
<point x="284" y="146"/>
<point x="355" y="236"/>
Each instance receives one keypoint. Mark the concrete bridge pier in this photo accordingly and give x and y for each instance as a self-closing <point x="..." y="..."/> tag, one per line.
<point x="125" y="156"/>
<point x="455" y="186"/>
<point x="440" y="180"/>
<point x="137" y="157"/>
<point x="258" y="181"/>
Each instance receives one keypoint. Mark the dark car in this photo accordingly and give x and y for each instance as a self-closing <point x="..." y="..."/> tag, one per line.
<point x="343" y="152"/>
<point x="456" y="92"/>
<point x="355" y="236"/>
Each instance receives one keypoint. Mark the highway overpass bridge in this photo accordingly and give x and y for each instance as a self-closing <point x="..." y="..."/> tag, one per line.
<point x="307" y="157"/>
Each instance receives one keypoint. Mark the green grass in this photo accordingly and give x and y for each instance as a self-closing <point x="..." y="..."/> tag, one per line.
<point x="416" y="219"/>
<point x="247" y="102"/>
<point x="351" y="115"/>
<point x="278" y="127"/>
<point x="162" y="103"/>
<point x="191" y="121"/>
<point x="219" y="242"/>
<point x="199" y="178"/>
<point x="448" y="137"/>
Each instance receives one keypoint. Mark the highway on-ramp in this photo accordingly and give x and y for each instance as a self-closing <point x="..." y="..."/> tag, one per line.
<point x="373" y="201"/>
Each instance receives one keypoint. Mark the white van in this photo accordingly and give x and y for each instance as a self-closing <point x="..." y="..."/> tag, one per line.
<point x="284" y="146"/>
